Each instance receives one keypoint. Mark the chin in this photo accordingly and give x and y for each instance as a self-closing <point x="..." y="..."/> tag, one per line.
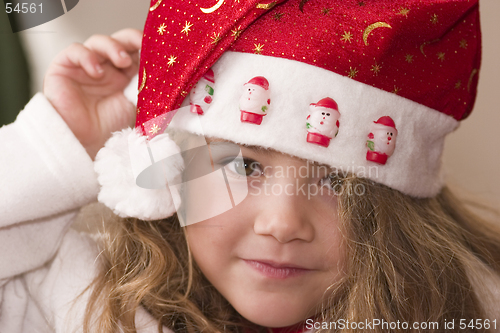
<point x="281" y="313"/>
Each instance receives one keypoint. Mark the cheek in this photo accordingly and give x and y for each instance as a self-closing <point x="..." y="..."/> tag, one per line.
<point x="215" y="241"/>
<point x="206" y="247"/>
<point x="208" y="239"/>
<point x="207" y="198"/>
<point x="334" y="251"/>
<point x="329" y="231"/>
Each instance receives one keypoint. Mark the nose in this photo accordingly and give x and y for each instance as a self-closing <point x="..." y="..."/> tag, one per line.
<point x="283" y="216"/>
<point x="389" y="138"/>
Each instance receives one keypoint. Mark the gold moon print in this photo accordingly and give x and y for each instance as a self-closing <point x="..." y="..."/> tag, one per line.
<point x="266" y="6"/>
<point x="156" y="5"/>
<point x="301" y="5"/>
<point x="422" y="48"/>
<point x="143" y="83"/>
<point x="427" y="43"/>
<point x="474" y="72"/>
<point x="213" y="8"/>
<point x="373" y="26"/>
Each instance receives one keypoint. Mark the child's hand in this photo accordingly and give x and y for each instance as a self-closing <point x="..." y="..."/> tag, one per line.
<point x="85" y="85"/>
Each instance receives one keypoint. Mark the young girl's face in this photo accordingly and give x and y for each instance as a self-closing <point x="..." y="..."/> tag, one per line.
<point x="274" y="255"/>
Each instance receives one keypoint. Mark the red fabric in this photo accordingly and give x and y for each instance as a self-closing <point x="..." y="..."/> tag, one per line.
<point x="172" y="61"/>
<point x="425" y="50"/>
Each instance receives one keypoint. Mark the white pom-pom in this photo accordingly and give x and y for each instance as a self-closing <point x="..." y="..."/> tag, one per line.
<point x="127" y="154"/>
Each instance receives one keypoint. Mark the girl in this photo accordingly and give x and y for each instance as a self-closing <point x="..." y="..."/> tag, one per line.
<point x="303" y="164"/>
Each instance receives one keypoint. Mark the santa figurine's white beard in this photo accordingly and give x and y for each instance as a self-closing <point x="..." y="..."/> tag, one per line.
<point x="328" y="128"/>
<point x="385" y="146"/>
<point x="250" y="104"/>
<point x="255" y="100"/>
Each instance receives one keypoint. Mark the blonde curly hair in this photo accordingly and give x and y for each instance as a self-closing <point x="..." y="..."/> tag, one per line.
<point x="407" y="259"/>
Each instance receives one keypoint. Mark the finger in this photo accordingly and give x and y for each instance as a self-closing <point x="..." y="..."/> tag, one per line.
<point x="110" y="49"/>
<point x="133" y="69"/>
<point x="135" y="58"/>
<point x="77" y="55"/>
<point x="131" y="39"/>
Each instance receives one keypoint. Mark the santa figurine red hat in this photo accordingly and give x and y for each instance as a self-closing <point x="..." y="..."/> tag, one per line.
<point x="202" y="93"/>
<point x="381" y="140"/>
<point x="255" y="101"/>
<point x="414" y="62"/>
<point x="323" y="121"/>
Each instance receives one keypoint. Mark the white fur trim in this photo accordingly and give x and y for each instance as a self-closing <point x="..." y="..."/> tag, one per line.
<point x="130" y="91"/>
<point x="415" y="166"/>
<point x="127" y="156"/>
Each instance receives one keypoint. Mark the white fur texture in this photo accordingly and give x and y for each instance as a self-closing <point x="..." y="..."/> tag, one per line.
<point x="125" y="155"/>
<point x="415" y="166"/>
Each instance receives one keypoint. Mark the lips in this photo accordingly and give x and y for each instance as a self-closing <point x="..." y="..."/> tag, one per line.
<point x="277" y="270"/>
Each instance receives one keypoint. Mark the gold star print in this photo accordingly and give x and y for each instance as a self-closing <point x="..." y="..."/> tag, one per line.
<point x="458" y="84"/>
<point x="326" y="11"/>
<point x="434" y="18"/>
<point x="162" y="29"/>
<point x="277" y="16"/>
<point x="171" y="61"/>
<point x="346" y="37"/>
<point x="215" y="38"/>
<point x="404" y="11"/>
<point x="463" y="44"/>
<point x="396" y="90"/>
<point x="409" y="58"/>
<point x="258" y="48"/>
<point x="236" y="32"/>
<point x="187" y="28"/>
<point x="352" y="72"/>
<point x="440" y="56"/>
<point x="154" y="129"/>
<point x="376" y="69"/>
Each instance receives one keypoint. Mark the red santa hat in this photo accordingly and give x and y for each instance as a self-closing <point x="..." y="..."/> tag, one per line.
<point x="415" y="61"/>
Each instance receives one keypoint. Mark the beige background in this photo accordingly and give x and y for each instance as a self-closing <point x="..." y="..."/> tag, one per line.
<point x="472" y="153"/>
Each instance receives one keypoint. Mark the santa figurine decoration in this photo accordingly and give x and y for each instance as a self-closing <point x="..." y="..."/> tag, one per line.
<point x="381" y="140"/>
<point x="255" y="101"/>
<point x="202" y="93"/>
<point x="322" y="122"/>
